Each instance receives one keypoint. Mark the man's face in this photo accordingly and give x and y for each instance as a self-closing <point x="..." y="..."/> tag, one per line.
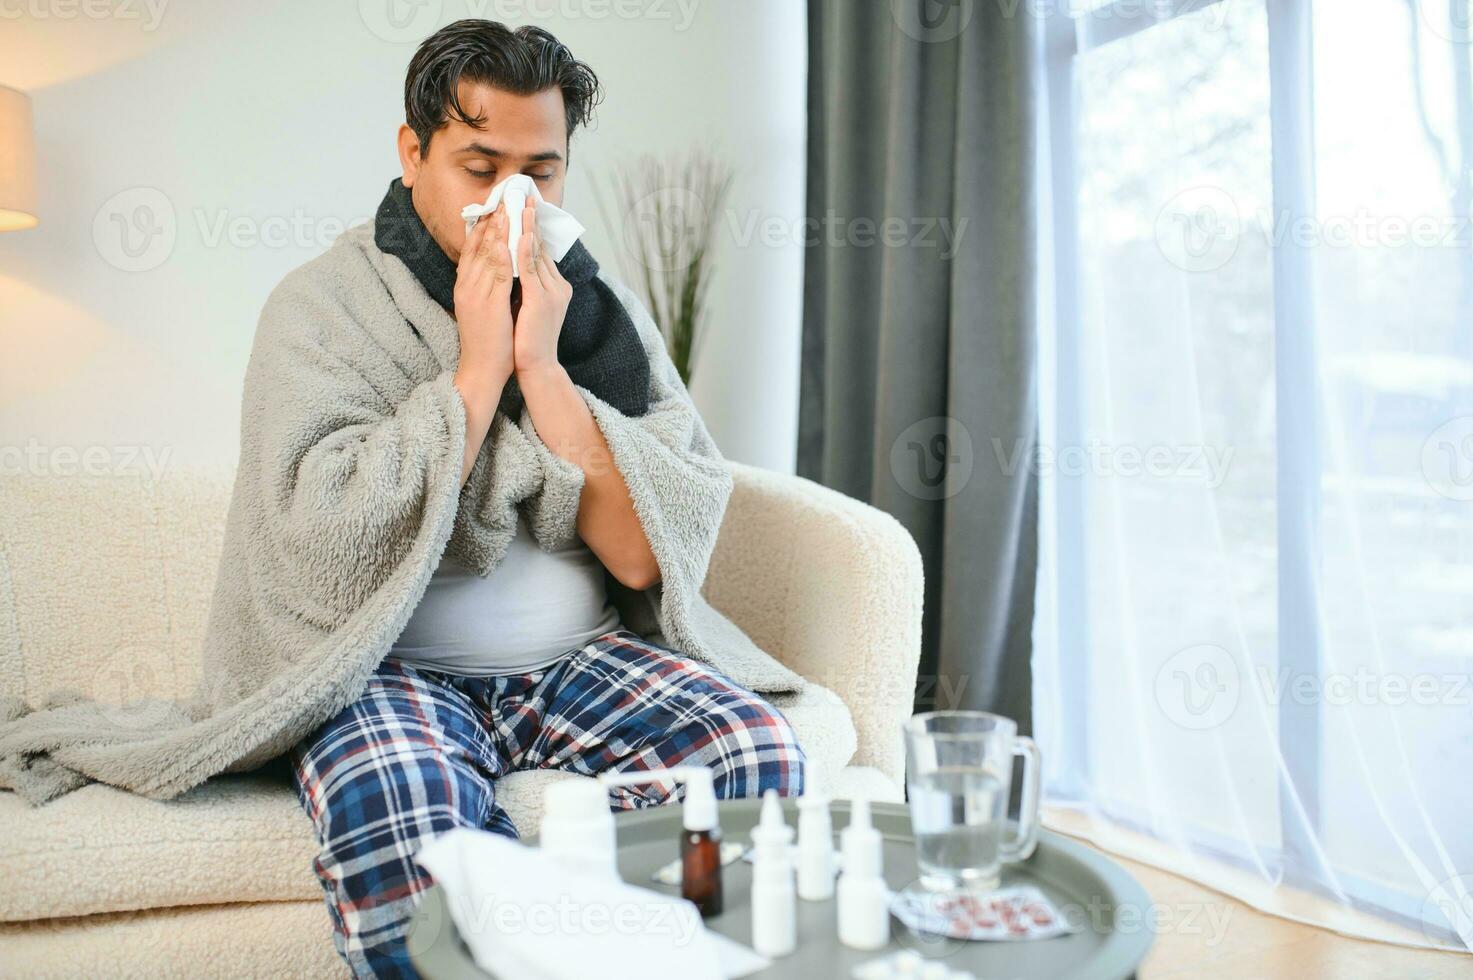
<point x="523" y="134"/>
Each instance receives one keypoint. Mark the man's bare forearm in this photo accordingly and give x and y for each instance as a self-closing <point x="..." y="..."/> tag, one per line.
<point x="480" y="390"/>
<point x="606" y="519"/>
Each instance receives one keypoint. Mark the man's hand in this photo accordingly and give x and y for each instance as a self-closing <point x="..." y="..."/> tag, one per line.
<point x="545" y="298"/>
<point x="483" y="282"/>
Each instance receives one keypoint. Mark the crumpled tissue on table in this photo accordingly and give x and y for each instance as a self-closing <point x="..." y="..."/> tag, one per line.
<point x="526" y="916"/>
<point x="557" y="228"/>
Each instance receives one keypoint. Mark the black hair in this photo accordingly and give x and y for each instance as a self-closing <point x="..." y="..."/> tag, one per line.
<point x="522" y="61"/>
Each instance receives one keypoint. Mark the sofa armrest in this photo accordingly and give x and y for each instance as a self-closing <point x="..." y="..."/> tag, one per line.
<point x="832" y="587"/>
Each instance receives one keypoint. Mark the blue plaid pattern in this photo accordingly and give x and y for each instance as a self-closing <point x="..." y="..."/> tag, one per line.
<point x="419" y="753"/>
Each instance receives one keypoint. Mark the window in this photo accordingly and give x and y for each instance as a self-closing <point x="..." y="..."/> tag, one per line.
<point x="1255" y="632"/>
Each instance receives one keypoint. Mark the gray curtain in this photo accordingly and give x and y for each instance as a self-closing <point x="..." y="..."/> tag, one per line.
<point x="918" y="364"/>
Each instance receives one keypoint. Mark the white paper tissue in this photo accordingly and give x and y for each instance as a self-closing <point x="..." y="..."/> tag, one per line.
<point x="527" y="917"/>
<point x="558" y="228"/>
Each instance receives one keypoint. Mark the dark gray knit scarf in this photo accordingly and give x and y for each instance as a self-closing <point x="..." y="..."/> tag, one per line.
<point x="599" y="345"/>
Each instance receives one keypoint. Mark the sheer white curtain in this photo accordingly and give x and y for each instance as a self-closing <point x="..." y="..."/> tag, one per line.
<point x="1254" y="640"/>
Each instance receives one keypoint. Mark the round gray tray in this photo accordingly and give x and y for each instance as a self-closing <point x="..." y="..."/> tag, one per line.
<point x="1079" y="880"/>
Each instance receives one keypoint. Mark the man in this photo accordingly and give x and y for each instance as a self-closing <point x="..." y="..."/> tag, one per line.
<point x="530" y="666"/>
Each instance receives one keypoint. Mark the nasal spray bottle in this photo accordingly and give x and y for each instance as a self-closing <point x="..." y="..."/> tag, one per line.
<point x="700" y="839"/>
<point x="864" y="900"/>
<point x="815" y="848"/>
<point x="774" y="912"/>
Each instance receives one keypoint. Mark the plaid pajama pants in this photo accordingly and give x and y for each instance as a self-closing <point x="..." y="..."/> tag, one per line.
<point x="420" y="751"/>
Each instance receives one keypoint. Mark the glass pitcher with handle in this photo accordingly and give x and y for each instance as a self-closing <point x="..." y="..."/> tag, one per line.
<point x="959" y="775"/>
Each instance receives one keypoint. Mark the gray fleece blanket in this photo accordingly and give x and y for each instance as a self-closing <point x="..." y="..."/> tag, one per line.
<point x="346" y="496"/>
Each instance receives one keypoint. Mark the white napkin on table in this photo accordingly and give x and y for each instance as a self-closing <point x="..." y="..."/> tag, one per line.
<point x="558" y="228"/>
<point x="526" y="916"/>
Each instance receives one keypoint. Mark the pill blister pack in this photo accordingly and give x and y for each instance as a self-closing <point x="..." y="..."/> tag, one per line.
<point x="1014" y="913"/>
<point x="907" y="964"/>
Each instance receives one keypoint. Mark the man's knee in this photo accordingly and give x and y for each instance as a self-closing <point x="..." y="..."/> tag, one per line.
<point x="395" y="789"/>
<point x="755" y="749"/>
<point x="399" y="747"/>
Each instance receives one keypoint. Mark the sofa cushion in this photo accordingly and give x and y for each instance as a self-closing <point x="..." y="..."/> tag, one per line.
<point x="824" y="727"/>
<point x="245" y="838"/>
<point x="866" y="781"/>
<point x="241" y="838"/>
<point x="258" y="939"/>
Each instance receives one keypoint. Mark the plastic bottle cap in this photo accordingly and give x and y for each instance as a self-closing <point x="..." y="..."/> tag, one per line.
<point x="577" y="824"/>
<point x="861" y="841"/>
<point x="700" y="800"/>
<point x="576" y="799"/>
<point x="772" y="831"/>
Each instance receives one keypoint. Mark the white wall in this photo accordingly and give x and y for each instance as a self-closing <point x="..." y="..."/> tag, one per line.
<point x="248" y="135"/>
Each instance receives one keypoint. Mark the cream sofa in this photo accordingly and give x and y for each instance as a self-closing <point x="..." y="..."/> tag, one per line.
<point x="104" y="588"/>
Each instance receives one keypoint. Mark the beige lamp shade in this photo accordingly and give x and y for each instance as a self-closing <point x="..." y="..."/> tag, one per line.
<point x="17" y="162"/>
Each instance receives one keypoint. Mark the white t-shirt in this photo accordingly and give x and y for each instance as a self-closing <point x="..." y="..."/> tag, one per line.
<point x="532" y="610"/>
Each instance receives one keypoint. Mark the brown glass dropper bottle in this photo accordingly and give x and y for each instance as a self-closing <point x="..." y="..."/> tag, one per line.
<point x="700" y="844"/>
<point x="700" y="833"/>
